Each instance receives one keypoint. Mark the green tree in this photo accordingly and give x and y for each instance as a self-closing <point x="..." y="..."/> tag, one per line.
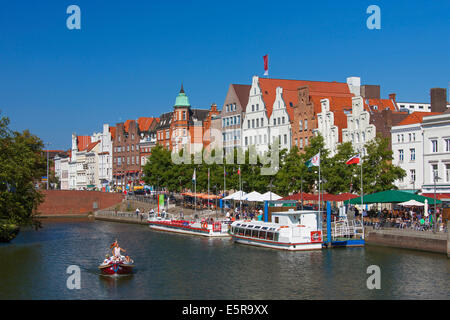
<point x="339" y="175"/>
<point x="379" y="173"/>
<point x="21" y="166"/>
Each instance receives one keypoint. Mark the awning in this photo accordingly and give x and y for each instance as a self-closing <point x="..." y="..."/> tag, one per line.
<point x="391" y="196"/>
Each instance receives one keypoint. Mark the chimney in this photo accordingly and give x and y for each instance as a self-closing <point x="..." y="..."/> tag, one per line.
<point x="438" y="99"/>
<point x="214" y="107"/>
<point x="392" y="96"/>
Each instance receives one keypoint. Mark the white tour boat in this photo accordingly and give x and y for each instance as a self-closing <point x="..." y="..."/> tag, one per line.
<point x="215" y="229"/>
<point x="289" y="230"/>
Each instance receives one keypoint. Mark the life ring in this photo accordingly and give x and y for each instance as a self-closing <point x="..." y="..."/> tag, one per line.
<point x="204" y="225"/>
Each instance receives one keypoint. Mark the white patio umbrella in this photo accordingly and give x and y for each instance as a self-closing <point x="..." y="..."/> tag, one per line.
<point x="254" y="196"/>
<point x="236" y="196"/>
<point x="411" y="203"/>
<point x="269" y="195"/>
<point x="425" y="210"/>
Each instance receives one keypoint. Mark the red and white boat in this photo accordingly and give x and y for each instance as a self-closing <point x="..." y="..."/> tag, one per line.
<point x="289" y="230"/>
<point x="117" y="267"/>
<point x="206" y="229"/>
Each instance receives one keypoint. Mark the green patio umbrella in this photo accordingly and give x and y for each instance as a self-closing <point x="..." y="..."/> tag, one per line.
<point x="391" y="196"/>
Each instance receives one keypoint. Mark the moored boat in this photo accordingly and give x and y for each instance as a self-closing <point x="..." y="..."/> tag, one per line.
<point x="202" y="228"/>
<point x="289" y="230"/>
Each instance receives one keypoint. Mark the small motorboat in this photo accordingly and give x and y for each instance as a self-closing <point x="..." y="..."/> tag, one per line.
<point x="112" y="267"/>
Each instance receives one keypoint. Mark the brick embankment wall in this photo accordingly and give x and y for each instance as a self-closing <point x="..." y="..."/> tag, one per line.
<point x="76" y="203"/>
<point x="423" y="241"/>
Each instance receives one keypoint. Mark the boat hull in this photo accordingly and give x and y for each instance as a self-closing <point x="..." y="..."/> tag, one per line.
<point x="289" y="246"/>
<point x="116" y="268"/>
<point x="185" y="229"/>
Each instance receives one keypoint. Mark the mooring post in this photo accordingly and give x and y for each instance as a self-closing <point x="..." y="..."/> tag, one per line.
<point x="448" y="239"/>
<point x="328" y="224"/>
<point x="266" y="211"/>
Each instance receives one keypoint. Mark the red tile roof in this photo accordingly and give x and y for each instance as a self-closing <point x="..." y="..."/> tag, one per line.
<point x="268" y="88"/>
<point x="92" y="145"/>
<point x="83" y="142"/>
<point x="126" y="125"/>
<point x="112" y="130"/>
<point x="416" y="117"/>
<point x="381" y="104"/>
<point x="144" y="123"/>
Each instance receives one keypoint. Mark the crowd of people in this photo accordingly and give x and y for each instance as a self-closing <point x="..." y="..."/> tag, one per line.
<point x="403" y="218"/>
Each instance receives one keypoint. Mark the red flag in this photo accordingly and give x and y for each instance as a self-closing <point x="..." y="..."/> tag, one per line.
<point x="266" y="65"/>
<point x="354" y="159"/>
<point x="239" y="171"/>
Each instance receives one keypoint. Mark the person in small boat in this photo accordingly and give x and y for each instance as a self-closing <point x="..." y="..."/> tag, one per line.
<point x="107" y="259"/>
<point x="116" y="251"/>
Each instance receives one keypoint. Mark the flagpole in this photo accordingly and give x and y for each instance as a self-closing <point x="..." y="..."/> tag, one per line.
<point x="208" y="188"/>
<point x="195" y="194"/>
<point x="240" y="187"/>
<point x="319" y="185"/>
<point x="362" y="190"/>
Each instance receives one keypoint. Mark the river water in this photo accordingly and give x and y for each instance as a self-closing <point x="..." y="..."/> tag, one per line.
<point x="173" y="266"/>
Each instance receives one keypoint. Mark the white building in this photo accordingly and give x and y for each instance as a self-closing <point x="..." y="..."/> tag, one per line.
<point x="436" y="154"/>
<point x="359" y="129"/>
<point x="330" y="122"/>
<point x="415" y="106"/>
<point x="104" y="156"/>
<point x="255" y="128"/>
<point x="407" y="149"/>
<point x="280" y="122"/>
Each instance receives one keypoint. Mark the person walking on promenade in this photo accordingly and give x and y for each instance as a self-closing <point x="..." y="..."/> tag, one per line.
<point x="137" y="212"/>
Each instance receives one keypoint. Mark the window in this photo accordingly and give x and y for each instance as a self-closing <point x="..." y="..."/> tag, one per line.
<point x="285" y="138"/>
<point x="413" y="175"/>
<point x="238" y="118"/>
<point x="413" y="154"/>
<point x="248" y="124"/>
<point x="275" y="122"/>
<point x="132" y="147"/>
<point x="306" y="141"/>
<point x="306" y="124"/>
<point x="447" y="172"/>
<point x="265" y="138"/>
<point x="409" y="134"/>
<point x="184" y="115"/>
<point x="282" y="120"/>
<point x="227" y="108"/>
<point x="257" y="123"/>
<point x="301" y="143"/>
<point x="262" y="122"/>
<point x="300" y="123"/>
<point x="128" y="148"/>
<point x="253" y="123"/>
<point x="414" y="136"/>
<point x="246" y="141"/>
<point x="400" y="155"/>
<point x="132" y="160"/>
<point x="434" y="146"/>
<point x="234" y="120"/>
<point x="257" y="106"/>
<point x="253" y="107"/>
<point x="447" y="145"/>
<point x="403" y="138"/>
<point x="279" y="121"/>
<point x="398" y="138"/>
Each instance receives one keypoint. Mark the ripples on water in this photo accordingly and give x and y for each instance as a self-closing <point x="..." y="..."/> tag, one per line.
<point x="173" y="266"/>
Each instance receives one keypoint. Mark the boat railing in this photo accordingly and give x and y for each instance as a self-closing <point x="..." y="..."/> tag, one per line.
<point x="347" y="229"/>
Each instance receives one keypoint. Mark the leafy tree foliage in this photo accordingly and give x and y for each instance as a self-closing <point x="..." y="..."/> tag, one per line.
<point x="292" y="174"/>
<point x="21" y="164"/>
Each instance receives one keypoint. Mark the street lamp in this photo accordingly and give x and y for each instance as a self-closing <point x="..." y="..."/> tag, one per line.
<point x="435" y="178"/>
<point x="413" y="182"/>
<point x="48" y="144"/>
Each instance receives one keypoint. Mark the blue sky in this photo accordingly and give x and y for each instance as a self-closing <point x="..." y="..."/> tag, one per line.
<point x="129" y="57"/>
